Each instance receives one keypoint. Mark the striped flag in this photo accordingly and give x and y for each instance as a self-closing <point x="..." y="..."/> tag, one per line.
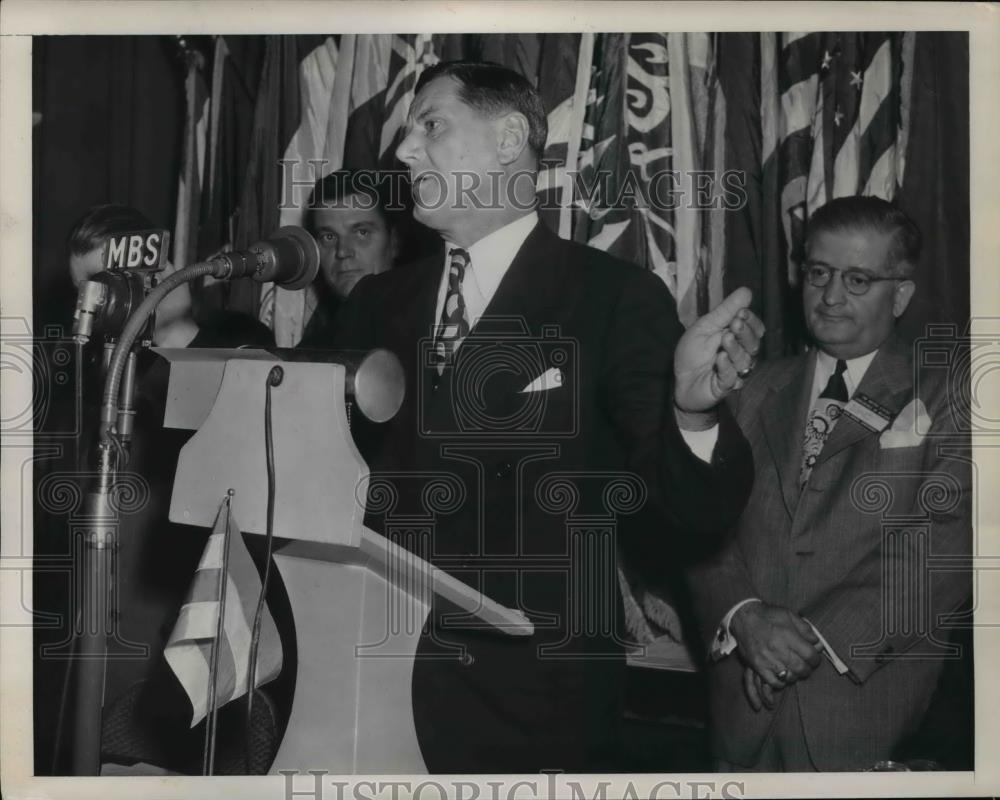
<point x="226" y="584"/>
<point x="834" y="120"/>
<point x="622" y="108"/>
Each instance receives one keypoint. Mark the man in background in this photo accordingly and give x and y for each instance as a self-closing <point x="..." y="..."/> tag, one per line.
<point x="823" y="624"/>
<point x="176" y="324"/>
<point x="357" y="224"/>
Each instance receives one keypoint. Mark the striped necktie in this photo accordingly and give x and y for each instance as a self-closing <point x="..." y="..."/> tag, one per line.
<point x="822" y="417"/>
<point x="454" y="325"/>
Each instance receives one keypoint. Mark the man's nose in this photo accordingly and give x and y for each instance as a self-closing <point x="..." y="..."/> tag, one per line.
<point x="344" y="249"/>
<point x="407" y="150"/>
<point x="834" y="292"/>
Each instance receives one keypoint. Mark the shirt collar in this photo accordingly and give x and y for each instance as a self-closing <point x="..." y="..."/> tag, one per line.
<point x="856" y="367"/>
<point x="490" y="257"/>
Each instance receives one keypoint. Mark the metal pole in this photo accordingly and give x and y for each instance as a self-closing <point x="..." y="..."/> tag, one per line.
<point x="92" y="593"/>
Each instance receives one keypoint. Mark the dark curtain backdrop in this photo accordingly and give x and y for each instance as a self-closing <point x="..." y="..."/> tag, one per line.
<point x="109" y="116"/>
<point x="112" y="118"/>
<point x="936" y="182"/>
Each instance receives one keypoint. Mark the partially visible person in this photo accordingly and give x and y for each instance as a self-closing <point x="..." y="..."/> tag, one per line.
<point x="354" y="217"/>
<point x="822" y="615"/>
<point x="176" y="325"/>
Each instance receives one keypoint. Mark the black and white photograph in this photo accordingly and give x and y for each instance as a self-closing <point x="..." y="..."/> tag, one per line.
<point x="498" y="400"/>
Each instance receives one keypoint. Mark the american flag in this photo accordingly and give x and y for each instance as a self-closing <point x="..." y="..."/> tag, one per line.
<point x="622" y="108"/>
<point x="834" y="118"/>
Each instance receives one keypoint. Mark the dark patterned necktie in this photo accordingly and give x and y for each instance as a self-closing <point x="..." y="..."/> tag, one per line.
<point x="822" y="417"/>
<point x="454" y="318"/>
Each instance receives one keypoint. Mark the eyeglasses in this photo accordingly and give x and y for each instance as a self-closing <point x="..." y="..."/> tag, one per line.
<point x="856" y="281"/>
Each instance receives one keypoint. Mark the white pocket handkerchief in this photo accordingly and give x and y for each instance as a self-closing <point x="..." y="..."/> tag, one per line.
<point x="552" y="378"/>
<point x="905" y="430"/>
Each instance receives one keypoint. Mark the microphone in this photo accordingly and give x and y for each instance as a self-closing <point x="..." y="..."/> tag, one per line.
<point x="106" y="300"/>
<point x="289" y="258"/>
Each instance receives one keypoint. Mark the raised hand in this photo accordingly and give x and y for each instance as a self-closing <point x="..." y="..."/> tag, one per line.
<point x="716" y="353"/>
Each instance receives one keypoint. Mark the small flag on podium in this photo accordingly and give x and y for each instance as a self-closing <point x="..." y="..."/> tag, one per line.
<point x="195" y="644"/>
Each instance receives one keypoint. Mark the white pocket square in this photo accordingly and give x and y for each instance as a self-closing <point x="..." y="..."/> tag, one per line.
<point x="907" y="426"/>
<point x="552" y="378"/>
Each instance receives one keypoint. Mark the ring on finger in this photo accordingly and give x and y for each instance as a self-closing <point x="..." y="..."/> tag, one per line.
<point x="743" y="373"/>
<point x="782" y="674"/>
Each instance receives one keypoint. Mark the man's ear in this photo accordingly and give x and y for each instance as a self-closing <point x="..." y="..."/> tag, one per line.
<point x="902" y="296"/>
<point x="512" y="137"/>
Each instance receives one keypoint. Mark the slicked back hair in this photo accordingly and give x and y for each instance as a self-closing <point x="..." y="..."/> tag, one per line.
<point x="863" y="213"/>
<point x="493" y="90"/>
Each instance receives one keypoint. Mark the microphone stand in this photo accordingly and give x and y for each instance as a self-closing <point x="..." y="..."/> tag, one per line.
<point x="117" y="414"/>
<point x="290" y="257"/>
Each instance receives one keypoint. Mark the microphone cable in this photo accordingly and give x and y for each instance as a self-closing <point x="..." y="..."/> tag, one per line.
<point x="274" y="378"/>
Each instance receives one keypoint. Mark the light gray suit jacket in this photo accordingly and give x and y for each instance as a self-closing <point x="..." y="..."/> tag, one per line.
<point x="850" y="553"/>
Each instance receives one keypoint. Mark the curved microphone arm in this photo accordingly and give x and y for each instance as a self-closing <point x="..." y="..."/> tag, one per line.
<point x="135" y="325"/>
<point x="289" y="257"/>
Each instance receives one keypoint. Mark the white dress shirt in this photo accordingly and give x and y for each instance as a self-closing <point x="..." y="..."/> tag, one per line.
<point x="489" y="260"/>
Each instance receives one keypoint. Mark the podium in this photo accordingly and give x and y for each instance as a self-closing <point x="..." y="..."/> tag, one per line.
<point x="359" y="602"/>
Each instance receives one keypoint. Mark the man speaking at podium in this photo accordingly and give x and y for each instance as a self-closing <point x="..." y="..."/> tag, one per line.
<point x="555" y="388"/>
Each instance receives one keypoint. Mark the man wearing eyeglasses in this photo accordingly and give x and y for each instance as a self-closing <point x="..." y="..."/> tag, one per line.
<point x="822" y="618"/>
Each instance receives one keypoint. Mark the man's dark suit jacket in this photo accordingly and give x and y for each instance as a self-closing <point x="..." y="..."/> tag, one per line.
<point x="536" y="491"/>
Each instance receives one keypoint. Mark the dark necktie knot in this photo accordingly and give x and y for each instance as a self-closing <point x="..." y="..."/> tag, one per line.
<point x="836" y="387"/>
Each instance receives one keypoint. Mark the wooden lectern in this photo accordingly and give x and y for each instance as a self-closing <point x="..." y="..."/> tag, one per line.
<point x="359" y="602"/>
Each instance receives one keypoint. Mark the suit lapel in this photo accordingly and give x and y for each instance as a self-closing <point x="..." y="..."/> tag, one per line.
<point x="784" y="416"/>
<point x="889" y="382"/>
<point x="523" y="300"/>
<point x="416" y="319"/>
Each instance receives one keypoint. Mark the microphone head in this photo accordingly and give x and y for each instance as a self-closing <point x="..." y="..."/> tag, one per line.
<point x="296" y="257"/>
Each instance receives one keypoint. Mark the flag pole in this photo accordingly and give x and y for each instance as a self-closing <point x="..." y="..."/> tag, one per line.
<point x="583" y="65"/>
<point x="208" y="760"/>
